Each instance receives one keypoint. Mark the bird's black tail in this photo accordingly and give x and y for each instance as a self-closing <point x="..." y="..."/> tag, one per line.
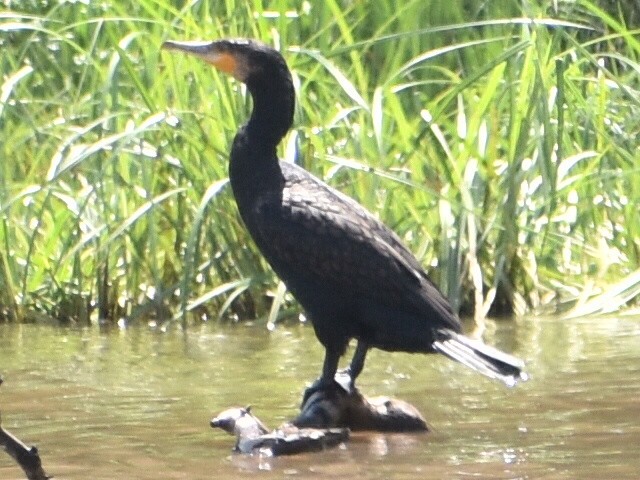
<point x="484" y="359"/>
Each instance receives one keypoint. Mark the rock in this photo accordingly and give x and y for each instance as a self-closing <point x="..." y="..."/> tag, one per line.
<point x="337" y="407"/>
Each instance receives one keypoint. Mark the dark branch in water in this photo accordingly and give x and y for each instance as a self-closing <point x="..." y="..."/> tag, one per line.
<point x="325" y="421"/>
<point x="253" y="437"/>
<point x="27" y="457"/>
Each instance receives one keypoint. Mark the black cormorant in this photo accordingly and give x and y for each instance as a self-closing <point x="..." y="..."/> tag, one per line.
<point x="352" y="275"/>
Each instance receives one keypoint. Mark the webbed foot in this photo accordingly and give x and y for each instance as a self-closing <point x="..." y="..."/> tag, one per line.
<point x="319" y="385"/>
<point x="342" y="382"/>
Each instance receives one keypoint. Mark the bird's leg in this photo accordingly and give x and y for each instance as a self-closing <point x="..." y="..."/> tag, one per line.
<point x="355" y="368"/>
<point x="329" y="367"/>
<point x="327" y="379"/>
<point x="357" y="362"/>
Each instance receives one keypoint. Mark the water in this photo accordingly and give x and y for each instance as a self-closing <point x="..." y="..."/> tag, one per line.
<point x="136" y="403"/>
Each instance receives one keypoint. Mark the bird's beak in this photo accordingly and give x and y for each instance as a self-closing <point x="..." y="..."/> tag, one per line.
<point x="210" y="52"/>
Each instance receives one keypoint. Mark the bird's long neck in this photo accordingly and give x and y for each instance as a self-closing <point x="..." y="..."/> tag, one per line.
<point x="254" y="167"/>
<point x="273" y="104"/>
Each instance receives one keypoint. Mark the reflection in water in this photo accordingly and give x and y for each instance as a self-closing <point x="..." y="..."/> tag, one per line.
<point x="136" y="403"/>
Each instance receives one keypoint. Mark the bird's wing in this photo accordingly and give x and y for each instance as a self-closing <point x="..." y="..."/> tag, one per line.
<point x="316" y="232"/>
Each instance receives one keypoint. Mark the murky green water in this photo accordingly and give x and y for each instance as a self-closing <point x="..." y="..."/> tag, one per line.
<point x="136" y="403"/>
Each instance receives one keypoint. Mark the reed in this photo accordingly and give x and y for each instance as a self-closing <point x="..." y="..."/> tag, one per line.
<point x="500" y="143"/>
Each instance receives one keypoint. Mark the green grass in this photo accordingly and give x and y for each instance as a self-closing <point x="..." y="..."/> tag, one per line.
<point x="499" y="142"/>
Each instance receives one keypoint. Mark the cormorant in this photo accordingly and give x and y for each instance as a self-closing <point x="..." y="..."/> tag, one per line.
<point x="351" y="274"/>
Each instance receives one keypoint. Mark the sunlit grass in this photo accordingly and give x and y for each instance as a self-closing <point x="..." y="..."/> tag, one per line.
<point x="501" y="144"/>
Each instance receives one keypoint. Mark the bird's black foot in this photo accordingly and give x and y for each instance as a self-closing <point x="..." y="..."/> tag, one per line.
<point x="333" y="387"/>
<point x="342" y="383"/>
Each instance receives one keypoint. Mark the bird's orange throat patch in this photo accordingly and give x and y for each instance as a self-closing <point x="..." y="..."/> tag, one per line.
<point x="225" y="62"/>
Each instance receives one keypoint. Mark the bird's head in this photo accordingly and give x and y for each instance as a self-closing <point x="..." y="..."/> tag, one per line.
<point x="246" y="60"/>
<point x="265" y="73"/>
